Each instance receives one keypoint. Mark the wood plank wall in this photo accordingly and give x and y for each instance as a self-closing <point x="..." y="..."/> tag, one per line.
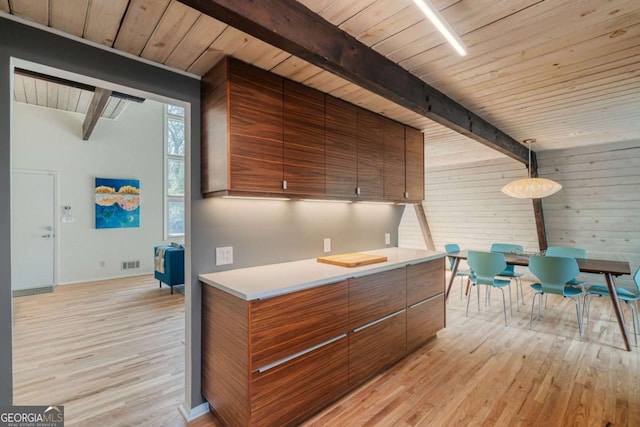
<point x="464" y="205"/>
<point x="598" y="207"/>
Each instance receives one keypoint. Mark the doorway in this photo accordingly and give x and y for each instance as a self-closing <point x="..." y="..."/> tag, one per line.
<point x="33" y="233"/>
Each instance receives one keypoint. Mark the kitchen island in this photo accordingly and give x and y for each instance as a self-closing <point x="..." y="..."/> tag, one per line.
<point x="282" y="341"/>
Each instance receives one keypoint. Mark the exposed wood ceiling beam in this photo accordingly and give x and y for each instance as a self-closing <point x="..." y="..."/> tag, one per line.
<point x="292" y="27"/>
<point x="71" y="83"/>
<point x="98" y="102"/>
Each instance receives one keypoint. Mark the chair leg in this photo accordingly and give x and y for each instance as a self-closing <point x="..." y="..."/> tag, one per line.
<point x="577" y="301"/>
<point x="585" y="307"/>
<point x="160" y="283"/>
<point x="504" y="305"/>
<point x="478" y="292"/>
<point x="521" y="291"/>
<point x="533" y="304"/>
<point x="510" y="300"/>
<point x="540" y="304"/>
<point x="171" y="290"/>
<point x="634" y="320"/>
<point x="469" y="299"/>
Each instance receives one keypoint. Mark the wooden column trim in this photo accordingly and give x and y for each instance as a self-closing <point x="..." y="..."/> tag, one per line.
<point x="96" y="107"/>
<point x="424" y="226"/>
<point x="537" y="208"/>
<point x="290" y="26"/>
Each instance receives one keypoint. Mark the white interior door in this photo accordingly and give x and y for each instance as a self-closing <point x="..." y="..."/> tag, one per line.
<point x="32" y="230"/>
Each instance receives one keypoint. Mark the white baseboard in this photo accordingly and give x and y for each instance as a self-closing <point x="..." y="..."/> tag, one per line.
<point x="193" y="413"/>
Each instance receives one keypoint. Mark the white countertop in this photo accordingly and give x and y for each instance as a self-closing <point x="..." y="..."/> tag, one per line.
<point x="277" y="279"/>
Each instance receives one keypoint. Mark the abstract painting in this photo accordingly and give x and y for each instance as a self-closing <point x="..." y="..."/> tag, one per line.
<point x="117" y="203"/>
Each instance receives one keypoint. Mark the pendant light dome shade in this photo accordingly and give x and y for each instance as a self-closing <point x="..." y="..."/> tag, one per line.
<point x="531" y="188"/>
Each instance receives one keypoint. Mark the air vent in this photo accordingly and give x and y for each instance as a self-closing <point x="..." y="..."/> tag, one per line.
<point x="128" y="265"/>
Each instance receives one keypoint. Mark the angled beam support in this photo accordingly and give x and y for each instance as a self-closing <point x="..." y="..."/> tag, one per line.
<point x="292" y="27"/>
<point x="96" y="107"/>
<point x="424" y="226"/>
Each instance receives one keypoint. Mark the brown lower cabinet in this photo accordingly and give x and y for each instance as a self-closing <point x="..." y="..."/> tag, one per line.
<point x="375" y="347"/>
<point x="279" y="360"/>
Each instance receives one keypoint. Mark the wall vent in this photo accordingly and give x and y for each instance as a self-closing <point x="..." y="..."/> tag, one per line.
<point x="128" y="265"/>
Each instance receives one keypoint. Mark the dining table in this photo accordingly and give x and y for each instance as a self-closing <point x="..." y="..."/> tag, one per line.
<point x="608" y="268"/>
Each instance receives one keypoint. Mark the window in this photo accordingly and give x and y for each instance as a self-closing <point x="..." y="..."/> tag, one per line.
<point x="174" y="171"/>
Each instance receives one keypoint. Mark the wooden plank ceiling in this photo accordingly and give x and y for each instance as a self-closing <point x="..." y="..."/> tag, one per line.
<point x="34" y="91"/>
<point x="562" y="71"/>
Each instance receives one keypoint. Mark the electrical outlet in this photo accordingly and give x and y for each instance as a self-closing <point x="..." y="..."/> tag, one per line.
<point x="224" y="255"/>
<point x="327" y="244"/>
<point x="387" y="238"/>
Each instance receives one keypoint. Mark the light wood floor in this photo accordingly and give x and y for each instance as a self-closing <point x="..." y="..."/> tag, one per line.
<point x="477" y="372"/>
<point x="111" y="352"/>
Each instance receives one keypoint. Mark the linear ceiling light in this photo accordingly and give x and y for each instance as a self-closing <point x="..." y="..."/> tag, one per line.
<point x="531" y="188"/>
<point x="436" y="19"/>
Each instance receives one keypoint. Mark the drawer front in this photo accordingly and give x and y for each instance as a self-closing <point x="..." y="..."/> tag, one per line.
<point x="376" y="347"/>
<point x="375" y="296"/>
<point x="284" y="325"/>
<point x="424" y="320"/>
<point x="295" y="390"/>
<point x="425" y="280"/>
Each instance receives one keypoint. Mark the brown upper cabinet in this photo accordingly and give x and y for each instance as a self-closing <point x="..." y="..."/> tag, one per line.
<point x="304" y="140"/>
<point x="394" y="160"/>
<point x="242" y="126"/>
<point x="264" y="135"/>
<point x="370" y="155"/>
<point x="414" y="164"/>
<point x="342" y="148"/>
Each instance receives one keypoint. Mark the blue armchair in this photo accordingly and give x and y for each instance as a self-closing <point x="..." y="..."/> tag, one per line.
<point x="169" y="265"/>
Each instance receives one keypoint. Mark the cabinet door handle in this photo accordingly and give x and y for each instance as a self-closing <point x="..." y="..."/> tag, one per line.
<point x="382" y="319"/>
<point x="406" y="194"/>
<point x="358" y="191"/>
<point x="300" y="353"/>
<point x="284" y="185"/>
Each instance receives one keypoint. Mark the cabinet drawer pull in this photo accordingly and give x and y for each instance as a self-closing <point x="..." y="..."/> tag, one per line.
<point x="427" y="300"/>
<point x="298" y="354"/>
<point x="382" y="319"/>
<point x="284" y="185"/>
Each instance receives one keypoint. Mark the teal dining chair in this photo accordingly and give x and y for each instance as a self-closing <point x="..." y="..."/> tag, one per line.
<point x="450" y="248"/>
<point x="485" y="267"/>
<point x="554" y="273"/>
<point x="567" y="252"/>
<point x="630" y="298"/>
<point x="509" y="271"/>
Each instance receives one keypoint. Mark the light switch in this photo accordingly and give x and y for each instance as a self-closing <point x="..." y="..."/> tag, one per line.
<point x="224" y="255"/>
<point x="327" y="244"/>
<point x="387" y="238"/>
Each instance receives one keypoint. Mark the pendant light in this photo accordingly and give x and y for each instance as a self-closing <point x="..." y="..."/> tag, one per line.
<point x="531" y="188"/>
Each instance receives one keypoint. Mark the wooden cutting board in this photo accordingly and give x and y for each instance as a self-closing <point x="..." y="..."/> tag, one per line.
<point x="354" y="259"/>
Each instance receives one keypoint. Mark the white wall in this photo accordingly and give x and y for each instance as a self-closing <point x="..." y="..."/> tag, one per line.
<point x="129" y="147"/>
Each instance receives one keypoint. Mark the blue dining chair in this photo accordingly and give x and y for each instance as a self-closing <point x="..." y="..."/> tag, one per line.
<point x="485" y="267"/>
<point x="450" y="248"/>
<point x="554" y="273"/>
<point x="568" y="252"/>
<point x="509" y="271"/>
<point x="630" y="298"/>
